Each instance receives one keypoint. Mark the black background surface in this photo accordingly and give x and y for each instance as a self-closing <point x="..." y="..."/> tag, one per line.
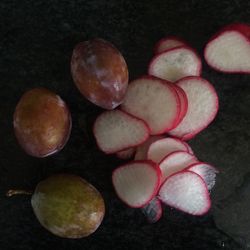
<point x="36" y="42"/>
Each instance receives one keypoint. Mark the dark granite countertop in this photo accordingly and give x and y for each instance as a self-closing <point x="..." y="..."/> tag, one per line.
<point x="36" y="42"/>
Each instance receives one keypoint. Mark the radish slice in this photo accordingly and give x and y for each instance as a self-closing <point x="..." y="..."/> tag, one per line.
<point x="189" y="149"/>
<point x="175" y="64"/>
<point x="153" y="210"/>
<point x="142" y="150"/>
<point x="167" y="43"/>
<point x="229" y="50"/>
<point x="163" y="147"/>
<point x="154" y="101"/>
<point x="137" y="182"/>
<point x="203" y="106"/>
<point x="126" y="154"/>
<point x="116" y="130"/>
<point x="176" y="162"/>
<point x="183" y="101"/>
<point x="187" y="192"/>
<point x="206" y="172"/>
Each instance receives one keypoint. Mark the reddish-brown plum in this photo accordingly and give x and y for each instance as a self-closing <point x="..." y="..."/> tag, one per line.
<point x="42" y="122"/>
<point x="100" y="73"/>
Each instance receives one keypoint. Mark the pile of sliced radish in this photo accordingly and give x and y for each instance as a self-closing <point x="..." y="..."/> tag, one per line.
<point x="169" y="173"/>
<point x="162" y="110"/>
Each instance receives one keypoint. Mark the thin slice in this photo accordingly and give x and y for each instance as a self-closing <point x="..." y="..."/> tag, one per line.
<point x="137" y="182"/>
<point x="203" y="106"/>
<point x="184" y="103"/>
<point x="175" y="64"/>
<point x="116" y="130"/>
<point x="189" y="149"/>
<point x="186" y="191"/>
<point x="153" y="210"/>
<point x="176" y="162"/>
<point x="206" y="172"/>
<point x="229" y="50"/>
<point x="167" y="43"/>
<point x="154" y="101"/>
<point x="163" y="147"/>
<point x="142" y="150"/>
<point x="126" y="154"/>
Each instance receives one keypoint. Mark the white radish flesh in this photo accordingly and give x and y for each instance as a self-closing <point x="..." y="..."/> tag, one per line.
<point x="168" y="43"/>
<point x="142" y="150"/>
<point x="137" y="182"/>
<point x="187" y="192"/>
<point x="206" y="171"/>
<point x="203" y="106"/>
<point x="116" y="130"/>
<point x="154" y="101"/>
<point x="163" y="147"/>
<point x="175" y="64"/>
<point x="175" y="162"/>
<point x="229" y="50"/>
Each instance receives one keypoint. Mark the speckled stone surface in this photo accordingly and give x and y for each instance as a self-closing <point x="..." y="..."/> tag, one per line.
<point x="36" y="42"/>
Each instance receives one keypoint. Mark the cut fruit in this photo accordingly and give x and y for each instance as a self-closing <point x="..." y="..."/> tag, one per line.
<point x="153" y="210"/>
<point x="183" y="102"/>
<point x="229" y="50"/>
<point x="206" y="172"/>
<point x="175" y="64"/>
<point x="137" y="182"/>
<point x="167" y="43"/>
<point x="142" y="150"/>
<point x="116" y="130"/>
<point x="203" y="106"/>
<point x="187" y="192"/>
<point x="154" y="101"/>
<point x="126" y="154"/>
<point x="163" y="147"/>
<point x="176" y="162"/>
<point x="189" y="149"/>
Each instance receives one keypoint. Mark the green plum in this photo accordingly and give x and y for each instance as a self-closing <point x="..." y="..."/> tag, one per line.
<point x="68" y="206"/>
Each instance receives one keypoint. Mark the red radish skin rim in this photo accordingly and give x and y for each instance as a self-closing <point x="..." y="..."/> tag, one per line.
<point x="184" y="143"/>
<point x="207" y="197"/>
<point x="184" y="105"/>
<point x="191" y="135"/>
<point x="173" y="86"/>
<point x="162" y="40"/>
<point x="230" y="27"/>
<point x="179" y="101"/>
<point x="152" y="62"/>
<point x="138" y="149"/>
<point x="173" y="90"/>
<point x="167" y="84"/>
<point x="177" y="151"/>
<point x="175" y="138"/>
<point x="157" y="186"/>
<point x="112" y="152"/>
<point x="172" y="153"/>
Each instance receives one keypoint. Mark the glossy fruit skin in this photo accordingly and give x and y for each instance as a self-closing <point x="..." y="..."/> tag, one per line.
<point x="100" y="72"/>
<point x="68" y="206"/>
<point x="42" y="122"/>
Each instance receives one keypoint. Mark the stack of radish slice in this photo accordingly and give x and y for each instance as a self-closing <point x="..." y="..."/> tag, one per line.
<point x="172" y="99"/>
<point x="177" y="178"/>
